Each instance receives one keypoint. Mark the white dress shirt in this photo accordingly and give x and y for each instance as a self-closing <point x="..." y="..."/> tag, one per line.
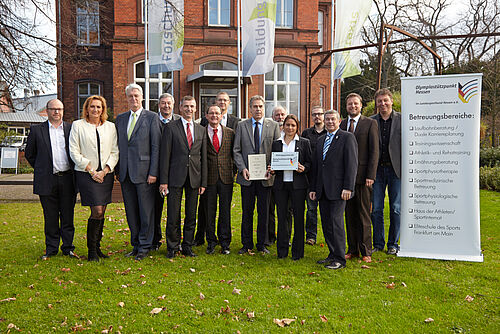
<point x="224" y="119"/>
<point x="165" y="120"/>
<point x="211" y="133"/>
<point x="288" y="174"/>
<point x="191" y="127"/>
<point x="356" y="120"/>
<point x="60" y="162"/>
<point x="131" y="118"/>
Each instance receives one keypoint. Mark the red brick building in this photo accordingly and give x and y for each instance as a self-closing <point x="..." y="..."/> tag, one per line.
<point x="102" y="50"/>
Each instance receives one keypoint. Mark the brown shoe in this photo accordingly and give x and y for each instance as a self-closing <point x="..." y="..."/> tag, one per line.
<point x="367" y="259"/>
<point x="349" y="256"/>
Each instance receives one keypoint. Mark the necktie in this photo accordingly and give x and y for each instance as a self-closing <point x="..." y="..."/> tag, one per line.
<point x="132" y="125"/>
<point x="256" y="138"/>
<point x="326" y="146"/>
<point x="189" y="136"/>
<point x="351" y="125"/>
<point x="215" y="140"/>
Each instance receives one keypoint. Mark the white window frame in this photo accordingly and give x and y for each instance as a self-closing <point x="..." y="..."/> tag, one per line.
<point x="88" y="83"/>
<point x="321" y="29"/>
<point x="84" y="13"/>
<point x="286" y="83"/>
<point x="282" y="14"/>
<point x="160" y="80"/>
<point x="19" y="130"/>
<point x="219" y="14"/>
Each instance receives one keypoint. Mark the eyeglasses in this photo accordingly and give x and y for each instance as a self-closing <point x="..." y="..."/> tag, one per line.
<point x="55" y="109"/>
<point x="318" y="114"/>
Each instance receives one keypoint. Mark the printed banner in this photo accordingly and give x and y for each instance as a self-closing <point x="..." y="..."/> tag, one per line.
<point x="440" y="167"/>
<point x="165" y="35"/>
<point x="349" y="19"/>
<point x="257" y="32"/>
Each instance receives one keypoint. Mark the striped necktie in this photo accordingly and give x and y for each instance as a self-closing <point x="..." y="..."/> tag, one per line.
<point x="326" y="146"/>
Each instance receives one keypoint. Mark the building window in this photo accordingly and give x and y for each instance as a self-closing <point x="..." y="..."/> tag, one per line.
<point x="321" y="16"/>
<point x="322" y="96"/>
<point x="87" y="22"/>
<point x="219" y="65"/>
<point x="19" y="131"/>
<point x="159" y="83"/>
<point x="219" y="12"/>
<point x="284" y="14"/>
<point x="282" y="87"/>
<point x="85" y="90"/>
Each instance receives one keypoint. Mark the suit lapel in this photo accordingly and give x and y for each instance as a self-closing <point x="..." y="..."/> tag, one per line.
<point x="46" y="138"/>
<point x="249" y="126"/>
<point x="67" y="130"/>
<point x="180" y="127"/>
<point x="332" y="144"/>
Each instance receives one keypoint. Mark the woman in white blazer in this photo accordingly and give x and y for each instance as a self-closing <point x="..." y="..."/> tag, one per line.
<point x="93" y="147"/>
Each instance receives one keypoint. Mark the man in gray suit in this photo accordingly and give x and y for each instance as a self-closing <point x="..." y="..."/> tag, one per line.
<point x="254" y="136"/>
<point x="388" y="173"/>
<point x="139" y="143"/>
<point x="166" y="115"/>
<point x="183" y="166"/>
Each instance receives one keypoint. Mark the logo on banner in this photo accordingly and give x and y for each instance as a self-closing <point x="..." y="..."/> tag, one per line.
<point x="468" y="90"/>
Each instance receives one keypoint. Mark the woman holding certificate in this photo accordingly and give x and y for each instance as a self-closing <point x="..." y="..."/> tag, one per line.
<point x="94" y="149"/>
<point x="291" y="159"/>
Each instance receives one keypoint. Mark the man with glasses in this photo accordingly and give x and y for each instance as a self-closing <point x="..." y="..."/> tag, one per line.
<point x="313" y="133"/>
<point x="47" y="151"/>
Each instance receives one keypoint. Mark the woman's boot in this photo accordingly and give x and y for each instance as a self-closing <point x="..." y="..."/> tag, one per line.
<point x="92" y="227"/>
<point x="98" y="240"/>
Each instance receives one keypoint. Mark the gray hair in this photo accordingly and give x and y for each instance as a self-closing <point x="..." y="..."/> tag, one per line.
<point x="256" y="97"/>
<point x="132" y="86"/>
<point x="278" y="107"/>
<point x="166" y="95"/>
<point x="332" y="112"/>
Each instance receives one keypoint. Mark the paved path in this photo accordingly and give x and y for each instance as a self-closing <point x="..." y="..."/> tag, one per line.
<point x="17" y="188"/>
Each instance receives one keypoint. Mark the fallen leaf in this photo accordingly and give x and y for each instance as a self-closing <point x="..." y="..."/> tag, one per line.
<point x="469" y="298"/>
<point x="121" y="304"/>
<point x="176" y="326"/>
<point x="162" y="297"/>
<point x="390" y="285"/>
<point x="283" y="322"/>
<point x="429" y="320"/>
<point x="364" y="266"/>
<point x="226" y="301"/>
<point x="302" y="321"/>
<point x="321" y="245"/>
<point x="50" y="306"/>
<point x="226" y="309"/>
<point x="236" y="291"/>
<point x="156" y="310"/>
<point x="199" y="313"/>
<point x="392" y="277"/>
<point x="286" y="287"/>
<point x="223" y="266"/>
<point x="230" y="281"/>
<point x="192" y="270"/>
<point x="250" y="297"/>
<point x="100" y="281"/>
<point x="142" y="276"/>
<point x="12" y="326"/>
<point x="10" y="299"/>
<point x="202" y="296"/>
<point x="65" y="270"/>
<point x="251" y="315"/>
<point x="124" y="286"/>
<point x="323" y="318"/>
<point x="312" y="273"/>
<point x="32" y="286"/>
<point x="403" y="284"/>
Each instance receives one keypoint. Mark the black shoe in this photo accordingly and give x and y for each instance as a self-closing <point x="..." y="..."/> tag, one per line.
<point x="334" y="266"/>
<point x="210" y="250"/>
<point x="47" y="256"/>
<point x="324" y="261"/>
<point x="92" y="256"/>
<point x="170" y="254"/>
<point x="264" y="251"/>
<point x="101" y="254"/>
<point x="189" y="253"/>
<point x="243" y="250"/>
<point x="225" y="251"/>
<point x="141" y="256"/>
<point x="132" y="253"/>
<point x="72" y="255"/>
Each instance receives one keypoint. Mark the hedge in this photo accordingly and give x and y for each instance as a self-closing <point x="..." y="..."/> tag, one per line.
<point x="489" y="157"/>
<point x="489" y="178"/>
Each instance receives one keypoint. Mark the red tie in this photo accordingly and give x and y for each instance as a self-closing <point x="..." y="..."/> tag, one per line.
<point x="189" y="136"/>
<point x="215" y="140"/>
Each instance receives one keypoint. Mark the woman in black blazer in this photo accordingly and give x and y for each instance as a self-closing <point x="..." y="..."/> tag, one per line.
<point x="291" y="185"/>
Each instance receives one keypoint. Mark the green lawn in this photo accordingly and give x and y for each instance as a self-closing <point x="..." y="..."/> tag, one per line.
<point x="230" y="294"/>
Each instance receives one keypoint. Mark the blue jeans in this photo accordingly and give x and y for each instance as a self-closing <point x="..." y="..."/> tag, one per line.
<point x="386" y="177"/>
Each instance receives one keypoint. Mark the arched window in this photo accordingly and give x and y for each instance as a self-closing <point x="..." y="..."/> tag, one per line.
<point x="158" y="84"/>
<point x="282" y="87"/>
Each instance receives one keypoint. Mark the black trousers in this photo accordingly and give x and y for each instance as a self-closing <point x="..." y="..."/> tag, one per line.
<point x="332" y="221"/>
<point x="173" y="232"/>
<point x="58" y="213"/>
<point x="139" y="200"/>
<point x="358" y="222"/>
<point x="248" y="195"/>
<point x="298" y="199"/>
<point x="225" y="193"/>
<point x="159" y="201"/>
<point x="271" y="223"/>
<point x="201" y="227"/>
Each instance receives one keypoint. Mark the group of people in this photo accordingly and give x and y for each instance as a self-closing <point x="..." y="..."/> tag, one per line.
<point x="343" y="166"/>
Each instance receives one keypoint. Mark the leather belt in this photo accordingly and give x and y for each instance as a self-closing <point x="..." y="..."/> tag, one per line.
<point x="62" y="173"/>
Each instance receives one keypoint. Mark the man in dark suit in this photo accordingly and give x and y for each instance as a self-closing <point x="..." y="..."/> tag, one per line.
<point x="219" y="181"/>
<point x="139" y="143"/>
<point x="357" y="211"/>
<point x="388" y="173"/>
<point x="333" y="183"/>
<point x="166" y="115"/>
<point x="223" y="102"/>
<point x="183" y="165"/>
<point x="254" y="136"/>
<point x="47" y="151"/>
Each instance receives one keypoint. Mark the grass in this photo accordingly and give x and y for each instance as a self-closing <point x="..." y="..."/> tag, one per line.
<point x="64" y="295"/>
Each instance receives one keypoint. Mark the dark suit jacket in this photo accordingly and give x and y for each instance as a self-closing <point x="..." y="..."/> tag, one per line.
<point x="177" y="160"/>
<point x="366" y="134"/>
<point x="394" y="141"/>
<point x="220" y="165"/>
<point x="300" y="180"/>
<point x="139" y="156"/>
<point x="232" y="122"/>
<point x="338" y="171"/>
<point x="244" y="145"/>
<point x="38" y="152"/>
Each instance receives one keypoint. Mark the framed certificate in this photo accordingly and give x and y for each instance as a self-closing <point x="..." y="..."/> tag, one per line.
<point x="285" y="161"/>
<point x="257" y="166"/>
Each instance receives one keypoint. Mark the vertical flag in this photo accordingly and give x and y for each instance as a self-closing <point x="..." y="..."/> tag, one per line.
<point x="350" y="17"/>
<point x="258" y="19"/>
<point x="165" y="35"/>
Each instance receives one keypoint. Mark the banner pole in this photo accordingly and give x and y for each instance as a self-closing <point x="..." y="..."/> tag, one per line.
<point x="146" y="55"/>
<point x="333" y="55"/>
<point x="240" y="112"/>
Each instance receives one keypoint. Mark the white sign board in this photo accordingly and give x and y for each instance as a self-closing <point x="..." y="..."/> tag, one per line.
<point x="440" y="167"/>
